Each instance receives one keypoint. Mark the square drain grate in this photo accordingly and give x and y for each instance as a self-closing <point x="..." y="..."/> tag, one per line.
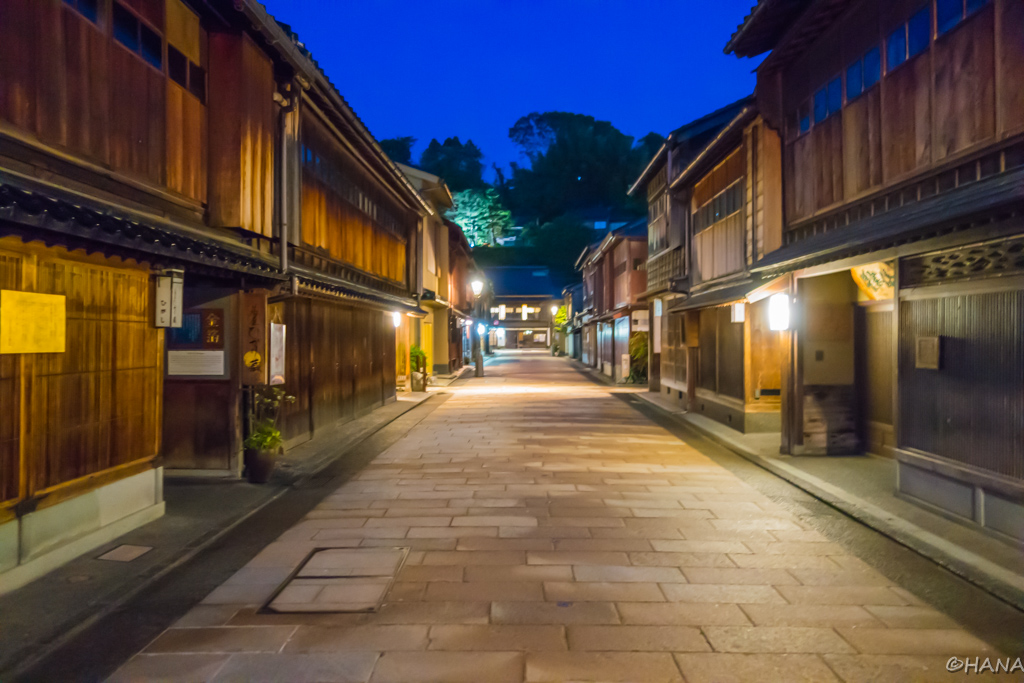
<point x="338" y="580"/>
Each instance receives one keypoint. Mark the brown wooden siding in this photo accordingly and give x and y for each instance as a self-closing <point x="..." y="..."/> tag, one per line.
<point x="337" y="200"/>
<point x="964" y="91"/>
<point x="10" y="395"/>
<point x="721" y="353"/>
<point x="243" y="130"/>
<point x="1011" y="66"/>
<point x="96" y="406"/>
<point x="346" y="366"/>
<point x="970" y="411"/>
<point x="68" y="83"/>
<point x="964" y="63"/>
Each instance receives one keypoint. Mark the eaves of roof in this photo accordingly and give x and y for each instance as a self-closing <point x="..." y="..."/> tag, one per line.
<point x="958" y="209"/>
<point x="726" y="138"/>
<point x="58" y="218"/>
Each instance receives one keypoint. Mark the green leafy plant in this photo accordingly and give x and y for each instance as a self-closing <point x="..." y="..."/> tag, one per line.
<point x="418" y="358"/>
<point x="638" y="357"/>
<point x="264" y="415"/>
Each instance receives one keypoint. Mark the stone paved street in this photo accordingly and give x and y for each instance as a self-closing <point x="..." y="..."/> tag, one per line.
<point x="556" y="534"/>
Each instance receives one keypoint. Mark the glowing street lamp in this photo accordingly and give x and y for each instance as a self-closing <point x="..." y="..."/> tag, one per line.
<point x="478" y="287"/>
<point x="396" y="318"/>
<point x="480" y="329"/>
<point x="554" y="310"/>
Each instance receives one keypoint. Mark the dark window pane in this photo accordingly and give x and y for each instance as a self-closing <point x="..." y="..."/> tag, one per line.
<point x="896" y="48"/>
<point x="854" y="80"/>
<point x="177" y="66"/>
<point x="948" y="13"/>
<point x="197" y="82"/>
<point x="820" y="105"/>
<point x="90" y="9"/>
<point x="872" y="67"/>
<point x="919" y="32"/>
<point x="152" y="47"/>
<point x="805" y="124"/>
<point x="973" y="5"/>
<point x="126" y="28"/>
<point x="835" y="95"/>
<point x="804" y="114"/>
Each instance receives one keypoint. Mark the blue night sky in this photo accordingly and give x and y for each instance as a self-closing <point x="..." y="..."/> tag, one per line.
<point x="472" y="67"/>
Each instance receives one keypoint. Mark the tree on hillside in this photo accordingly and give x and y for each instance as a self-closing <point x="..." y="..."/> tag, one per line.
<point x="399" y="149"/>
<point x="559" y="242"/>
<point x="481" y="215"/>
<point x="577" y="163"/>
<point x="461" y="165"/>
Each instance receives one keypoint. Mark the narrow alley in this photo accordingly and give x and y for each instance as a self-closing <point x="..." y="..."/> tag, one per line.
<point x="539" y="527"/>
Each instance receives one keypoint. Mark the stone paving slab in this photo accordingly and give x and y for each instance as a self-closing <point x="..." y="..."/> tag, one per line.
<point x="555" y="534"/>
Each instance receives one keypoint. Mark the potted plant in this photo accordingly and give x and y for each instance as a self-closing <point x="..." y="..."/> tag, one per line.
<point x="418" y="369"/>
<point x="264" y="442"/>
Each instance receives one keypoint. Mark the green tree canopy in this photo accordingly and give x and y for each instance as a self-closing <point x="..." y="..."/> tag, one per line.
<point x="399" y="149"/>
<point x="577" y="164"/>
<point x="461" y="165"/>
<point x="559" y="243"/>
<point x="481" y="215"/>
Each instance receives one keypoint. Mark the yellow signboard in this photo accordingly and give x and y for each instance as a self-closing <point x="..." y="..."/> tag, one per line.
<point x="32" y="323"/>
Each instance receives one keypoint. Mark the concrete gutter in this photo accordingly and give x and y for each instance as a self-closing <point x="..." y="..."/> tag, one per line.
<point x="1004" y="584"/>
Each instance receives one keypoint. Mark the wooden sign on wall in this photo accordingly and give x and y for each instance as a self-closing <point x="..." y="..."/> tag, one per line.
<point x="253" y="338"/>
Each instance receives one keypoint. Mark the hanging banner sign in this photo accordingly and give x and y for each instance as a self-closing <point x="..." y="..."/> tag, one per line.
<point x="170" y="292"/>
<point x="277" y="350"/>
<point x="876" y="280"/>
<point x="253" y="338"/>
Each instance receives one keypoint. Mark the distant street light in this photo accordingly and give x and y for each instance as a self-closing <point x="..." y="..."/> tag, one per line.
<point x="478" y="287"/>
<point x="480" y="329"/>
<point x="554" y="310"/>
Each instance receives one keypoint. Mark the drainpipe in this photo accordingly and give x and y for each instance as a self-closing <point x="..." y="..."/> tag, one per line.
<point x="288" y="107"/>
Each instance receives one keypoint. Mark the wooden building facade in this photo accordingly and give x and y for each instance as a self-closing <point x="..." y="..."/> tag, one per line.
<point x="614" y="280"/>
<point x="713" y="212"/>
<point x="902" y="127"/>
<point x="150" y="142"/>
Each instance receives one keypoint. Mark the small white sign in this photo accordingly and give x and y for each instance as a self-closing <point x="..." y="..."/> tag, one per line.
<point x="540" y="337"/>
<point x="277" y="340"/>
<point x="195" y="363"/>
<point x="170" y="289"/>
<point x="625" y="365"/>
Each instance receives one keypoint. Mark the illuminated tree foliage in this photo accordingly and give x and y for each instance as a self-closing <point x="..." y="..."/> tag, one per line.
<point x="481" y="215"/>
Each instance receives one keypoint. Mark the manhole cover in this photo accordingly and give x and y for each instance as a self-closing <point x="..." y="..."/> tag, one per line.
<point x="339" y="580"/>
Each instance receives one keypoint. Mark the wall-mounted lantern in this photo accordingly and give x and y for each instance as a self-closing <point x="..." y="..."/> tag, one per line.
<point x="778" y="312"/>
<point x="396" y="318"/>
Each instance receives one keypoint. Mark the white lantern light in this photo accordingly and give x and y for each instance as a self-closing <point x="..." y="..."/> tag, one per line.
<point x="396" y="318"/>
<point x="778" y="312"/>
<point x="554" y="310"/>
<point x="480" y="329"/>
<point x="478" y="287"/>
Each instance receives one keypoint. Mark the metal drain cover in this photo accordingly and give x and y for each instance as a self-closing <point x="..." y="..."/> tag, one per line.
<point x="339" y="580"/>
